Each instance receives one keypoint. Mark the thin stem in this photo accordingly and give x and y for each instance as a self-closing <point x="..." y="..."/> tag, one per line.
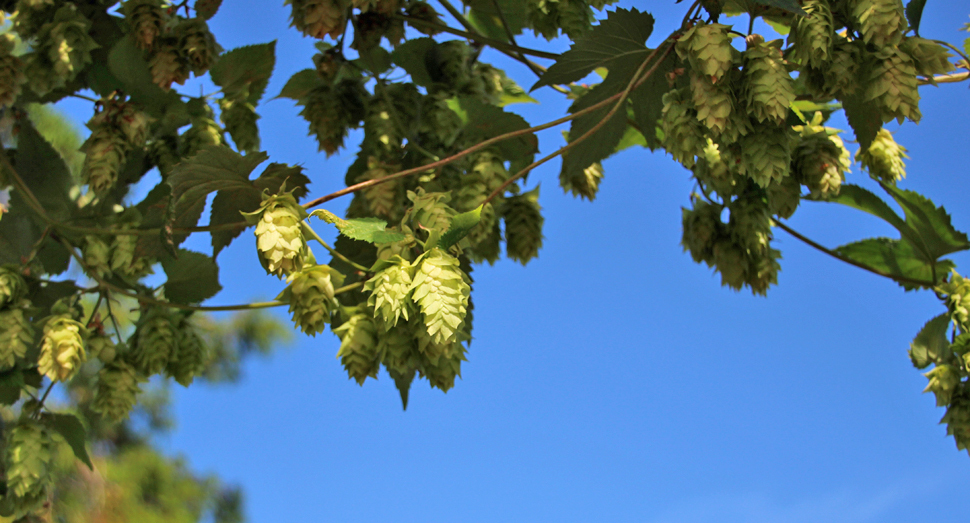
<point x="44" y="397"/>
<point x="82" y="97"/>
<point x="491" y="42"/>
<point x="850" y="261"/>
<point x="94" y="310"/>
<point x="951" y="78"/>
<point x="313" y="234"/>
<point x="111" y="315"/>
<point x="347" y="288"/>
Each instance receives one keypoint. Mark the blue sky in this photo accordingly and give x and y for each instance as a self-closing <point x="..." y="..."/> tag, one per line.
<point x="613" y="379"/>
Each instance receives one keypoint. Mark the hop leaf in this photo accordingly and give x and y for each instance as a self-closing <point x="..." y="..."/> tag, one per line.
<point x="884" y="158"/>
<point x="358" y="345"/>
<point x="117" y="390"/>
<point x="390" y="291"/>
<point x="311" y="297"/>
<point x="523" y="226"/>
<point x="62" y="348"/>
<point x="16" y="337"/>
<point x="279" y="237"/>
<point x="157" y="342"/>
<point x="441" y="293"/>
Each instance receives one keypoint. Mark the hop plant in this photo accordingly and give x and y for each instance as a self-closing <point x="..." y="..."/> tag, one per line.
<point x="390" y="291"/>
<point x="97" y="255"/>
<point x="66" y="43"/>
<point x="156" y="341"/>
<point x="707" y="48"/>
<point x="311" y="297"/>
<point x="147" y="20"/>
<point x="442" y="373"/>
<point x="358" y="345"/>
<point x="840" y="76"/>
<point x="191" y="357"/>
<point x="957" y="417"/>
<point x="398" y="349"/>
<point x="318" y="18"/>
<point x="584" y="184"/>
<point x="713" y="101"/>
<point x="812" y="34"/>
<point x="167" y="63"/>
<point x="240" y="117"/>
<point x="702" y="227"/>
<point x="750" y="223"/>
<point x="30" y="456"/>
<point x="892" y="86"/>
<point x="105" y="153"/>
<point x="683" y="135"/>
<point x="101" y="347"/>
<point x="62" y="348"/>
<point x="766" y="154"/>
<point x="441" y="293"/>
<point x="331" y="111"/>
<point x="884" y="158"/>
<point x="784" y="197"/>
<point x="124" y="262"/>
<point x="12" y="287"/>
<point x="16" y="337"/>
<point x="429" y="210"/>
<point x="957" y="292"/>
<point x="712" y="169"/>
<point x="768" y="87"/>
<point x="12" y="75"/>
<point x="929" y="57"/>
<point x="117" y="390"/>
<point x="523" y="226"/>
<point x="203" y="133"/>
<point x="881" y="22"/>
<point x="943" y="383"/>
<point x="279" y="237"/>
<point x="197" y="44"/>
<point x="383" y="199"/>
<point x="438" y="120"/>
<point x="820" y="159"/>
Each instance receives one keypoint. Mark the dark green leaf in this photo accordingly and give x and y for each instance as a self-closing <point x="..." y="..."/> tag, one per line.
<point x="206" y="9"/>
<point x="245" y="68"/>
<point x="930" y="345"/>
<point x="647" y="100"/>
<point x="18" y="233"/>
<point x="864" y="117"/>
<point x="603" y="141"/>
<point x="367" y="229"/>
<point x="44" y="172"/>
<point x="11" y="383"/>
<point x="620" y="38"/>
<point x="864" y="200"/>
<point x="790" y="6"/>
<point x="914" y="13"/>
<point x="935" y="235"/>
<point x="486" y="19"/>
<point x="70" y="427"/>
<point x="896" y="258"/>
<point x="192" y="277"/>
<point x="460" y="226"/>
<point x="410" y="56"/>
<point x="300" y="84"/>
<point x="375" y="59"/>
<point x="486" y="121"/>
<point x="126" y="64"/>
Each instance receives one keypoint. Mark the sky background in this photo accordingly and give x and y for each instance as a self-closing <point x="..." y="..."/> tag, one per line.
<point x="613" y="379"/>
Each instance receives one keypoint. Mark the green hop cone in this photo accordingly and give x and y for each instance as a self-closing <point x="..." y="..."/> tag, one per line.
<point x="523" y="226"/>
<point x="12" y="287"/>
<point x="702" y="227"/>
<point x="442" y="373"/>
<point x="101" y="346"/>
<point x="167" y="63"/>
<point x="812" y="34"/>
<point x="318" y="18"/>
<point x="729" y="259"/>
<point x="957" y="417"/>
<point x="192" y="356"/>
<point x="279" y="236"/>
<point x="203" y="133"/>
<point x="117" y="389"/>
<point x="12" y="75"/>
<point x="762" y="270"/>
<point x="881" y="22"/>
<point x="884" y="158"/>
<point x="683" y="134"/>
<point x="485" y="240"/>
<point x="240" y="121"/>
<point x="957" y="292"/>
<point x="784" y="197"/>
<point x="892" y="86"/>
<point x="750" y="223"/>
<point x="311" y="297"/>
<point x="106" y="151"/>
<point x="707" y="48"/>
<point x="584" y="184"/>
<point x="766" y="154"/>
<point x="929" y="57"/>
<point x="331" y="111"/>
<point x="147" y="20"/>
<point x="384" y="199"/>
<point x="123" y="259"/>
<point x="713" y="169"/>
<point x="67" y="43"/>
<point x="197" y="44"/>
<point x="768" y="87"/>
<point x="358" y="344"/>
<point x="441" y="293"/>
<point x="156" y="341"/>
<point x="840" y="76"/>
<point x="390" y="291"/>
<point x="943" y="383"/>
<point x="96" y="255"/>
<point x="30" y="453"/>
<point x="16" y="337"/>
<point x="61" y="349"/>
<point x="429" y="210"/>
<point x="820" y="159"/>
<point x="714" y="102"/>
<point x="398" y="348"/>
<point x="438" y="120"/>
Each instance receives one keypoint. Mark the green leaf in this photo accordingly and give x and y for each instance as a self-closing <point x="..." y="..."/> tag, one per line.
<point x="619" y="38"/>
<point x="864" y="200"/>
<point x="896" y="258"/>
<point x="300" y="84"/>
<point x="484" y="121"/>
<point x="212" y="169"/>
<point x="484" y="17"/>
<point x="864" y="117"/>
<point x="367" y="229"/>
<point x="935" y="235"/>
<point x="603" y="142"/>
<point x="245" y="68"/>
<point x="70" y="427"/>
<point x="461" y="225"/>
<point x="11" y="383"/>
<point x="18" y="232"/>
<point x="790" y="6"/>
<point x="410" y="56"/>
<point x="647" y="100"/>
<point x="44" y="172"/>
<point x="914" y="13"/>
<point x="375" y="59"/>
<point x="930" y="344"/>
<point x="630" y="138"/>
<point x="206" y="9"/>
<point x="129" y="68"/>
<point x="192" y="277"/>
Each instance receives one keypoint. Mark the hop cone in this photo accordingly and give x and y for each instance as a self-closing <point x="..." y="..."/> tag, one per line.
<point x="311" y="297"/>
<point x="147" y="20"/>
<point x="713" y="170"/>
<point x="383" y="199"/>
<point x="881" y="22"/>
<point x="317" y="18"/>
<point x="841" y="76"/>
<point x="485" y="239"/>
<point x="429" y="210"/>
<point x="442" y="373"/>
<point x="67" y="43"/>
<point x="157" y="342"/>
<point x="167" y="64"/>
<point x="203" y="133"/>
<point x="441" y="293"/>
<point x="438" y="120"/>
<point x="714" y="102"/>
<point x="729" y="259"/>
<point x="957" y="418"/>
<point x="766" y="154"/>
<point x="279" y="238"/>
<point x="325" y="113"/>
<point x="123" y="259"/>
<point x="16" y="337"/>
<point x="12" y="287"/>
<point x="358" y="345"/>
<point x="884" y="158"/>
<point x="62" y="348"/>
<point x="762" y="270"/>
<point x="768" y="87"/>
<point x="944" y="380"/>
<point x="957" y="292"/>
<point x="105" y="153"/>
<point x="683" y="135"/>
<point x="240" y="121"/>
<point x="11" y="73"/>
<point x="820" y="159"/>
<point x="812" y="34"/>
<point x="197" y="44"/>
<point x="192" y="356"/>
<point x="30" y="456"/>
<point x="398" y="349"/>
<point x="390" y="291"/>
<point x="523" y="226"/>
<point x="930" y="58"/>
<point x="707" y="48"/>
<point x="702" y="227"/>
<point x="101" y="347"/>
<point x="116" y="392"/>
<point x="784" y="197"/>
<point x="750" y="224"/>
<point x="97" y="255"/>
<point x="584" y="184"/>
<point x="892" y="86"/>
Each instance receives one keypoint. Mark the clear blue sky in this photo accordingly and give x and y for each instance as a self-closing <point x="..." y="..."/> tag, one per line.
<point x="612" y="379"/>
